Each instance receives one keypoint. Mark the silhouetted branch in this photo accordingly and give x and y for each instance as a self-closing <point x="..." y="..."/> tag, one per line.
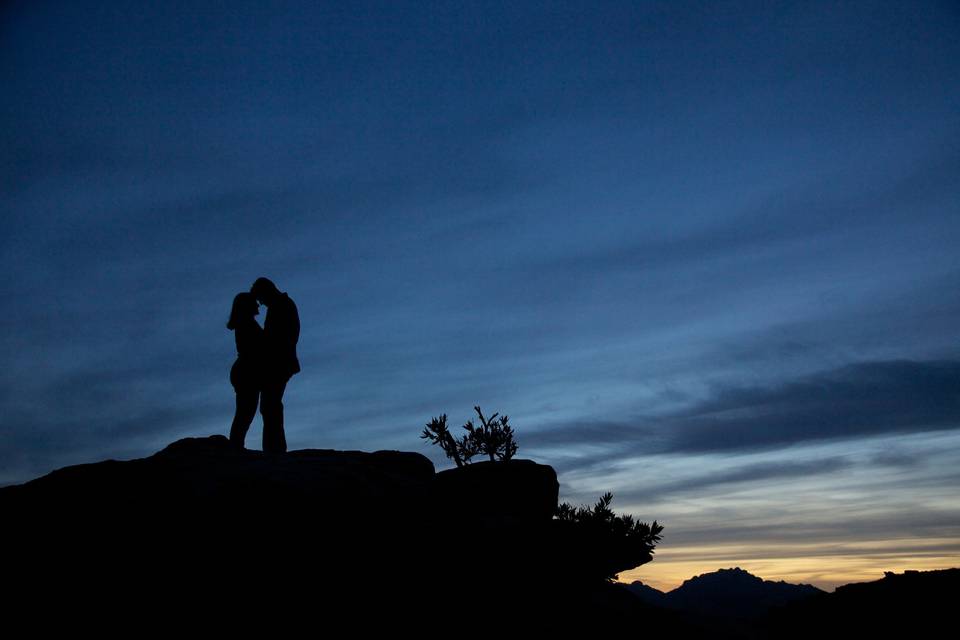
<point x="437" y="432"/>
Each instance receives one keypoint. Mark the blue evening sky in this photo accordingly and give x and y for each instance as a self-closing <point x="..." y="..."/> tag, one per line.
<point x="703" y="254"/>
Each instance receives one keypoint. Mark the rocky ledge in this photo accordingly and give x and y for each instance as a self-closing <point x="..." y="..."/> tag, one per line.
<point x="337" y="532"/>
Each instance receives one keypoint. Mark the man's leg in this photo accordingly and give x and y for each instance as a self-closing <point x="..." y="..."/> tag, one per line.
<point x="271" y="408"/>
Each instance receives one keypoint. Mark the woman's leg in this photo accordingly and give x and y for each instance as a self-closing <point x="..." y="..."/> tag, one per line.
<point x="247" y="400"/>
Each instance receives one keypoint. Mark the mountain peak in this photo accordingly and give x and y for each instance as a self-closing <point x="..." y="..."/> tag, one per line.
<point x="728" y="593"/>
<point x="721" y="579"/>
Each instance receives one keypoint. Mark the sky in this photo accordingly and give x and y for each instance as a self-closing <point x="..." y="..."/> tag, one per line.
<point x="702" y="254"/>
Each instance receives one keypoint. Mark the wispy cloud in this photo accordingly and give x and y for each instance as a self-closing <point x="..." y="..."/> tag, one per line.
<point x="858" y="400"/>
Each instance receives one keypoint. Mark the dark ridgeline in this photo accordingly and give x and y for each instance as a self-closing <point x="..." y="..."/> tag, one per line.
<point x="205" y="535"/>
<point x="731" y="603"/>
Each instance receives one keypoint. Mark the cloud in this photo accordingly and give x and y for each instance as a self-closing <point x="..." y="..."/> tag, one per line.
<point x="751" y="473"/>
<point x="859" y="400"/>
<point x="836" y="206"/>
<point x="85" y="413"/>
<point x="745" y="527"/>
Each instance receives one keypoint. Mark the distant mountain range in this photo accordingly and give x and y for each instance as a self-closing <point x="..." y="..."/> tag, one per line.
<point x="727" y="593"/>
<point x="732" y="603"/>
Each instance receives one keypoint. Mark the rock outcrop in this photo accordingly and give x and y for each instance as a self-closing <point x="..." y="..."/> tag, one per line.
<point x="519" y="489"/>
<point x="200" y="528"/>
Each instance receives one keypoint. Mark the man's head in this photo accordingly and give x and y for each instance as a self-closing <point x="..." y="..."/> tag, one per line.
<point x="265" y="291"/>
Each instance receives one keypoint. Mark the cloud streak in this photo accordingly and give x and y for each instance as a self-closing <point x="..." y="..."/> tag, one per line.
<point x="856" y="401"/>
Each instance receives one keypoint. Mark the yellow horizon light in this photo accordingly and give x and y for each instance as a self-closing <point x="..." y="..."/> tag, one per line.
<point x="824" y="566"/>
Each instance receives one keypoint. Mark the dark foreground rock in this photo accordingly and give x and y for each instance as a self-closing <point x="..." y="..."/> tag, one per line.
<point x="204" y="533"/>
<point x="913" y="604"/>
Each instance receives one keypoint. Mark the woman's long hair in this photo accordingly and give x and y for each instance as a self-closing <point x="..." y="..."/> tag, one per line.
<point x="244" y="306"/>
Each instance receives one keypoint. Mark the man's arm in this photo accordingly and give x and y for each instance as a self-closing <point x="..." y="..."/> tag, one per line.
<point x="294" y="324"/>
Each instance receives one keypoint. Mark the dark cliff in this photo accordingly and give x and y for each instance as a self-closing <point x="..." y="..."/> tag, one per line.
<point x="203" y="531"/>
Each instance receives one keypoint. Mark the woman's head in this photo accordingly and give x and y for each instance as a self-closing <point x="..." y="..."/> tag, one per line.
<point x="244" y="306"/>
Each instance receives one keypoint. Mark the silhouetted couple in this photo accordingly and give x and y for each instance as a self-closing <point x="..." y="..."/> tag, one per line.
<point x="266" y="360"/>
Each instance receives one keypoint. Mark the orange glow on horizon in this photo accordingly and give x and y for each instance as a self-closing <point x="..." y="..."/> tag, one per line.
<point x="824" y="566"/>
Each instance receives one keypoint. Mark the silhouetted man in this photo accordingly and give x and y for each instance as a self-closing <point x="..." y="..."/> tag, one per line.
<point x="281" y="330"/>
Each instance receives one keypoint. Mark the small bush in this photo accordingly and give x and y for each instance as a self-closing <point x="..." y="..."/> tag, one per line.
<point x="629" y="542"/>
<point x="493" y="437"/>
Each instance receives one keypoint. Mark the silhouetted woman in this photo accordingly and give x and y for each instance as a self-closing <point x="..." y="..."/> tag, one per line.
<point x="246" y="374"/>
